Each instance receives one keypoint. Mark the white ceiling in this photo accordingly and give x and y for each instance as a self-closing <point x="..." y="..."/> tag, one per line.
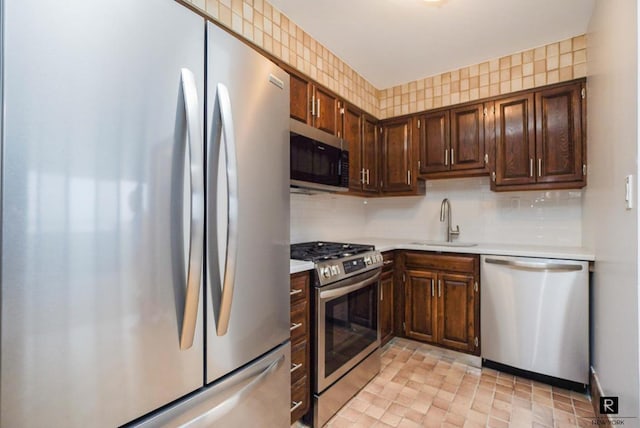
<point x="390" y="42"/>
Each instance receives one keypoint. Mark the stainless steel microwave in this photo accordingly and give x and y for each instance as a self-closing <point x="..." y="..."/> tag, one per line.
<point x="319" y="161"/>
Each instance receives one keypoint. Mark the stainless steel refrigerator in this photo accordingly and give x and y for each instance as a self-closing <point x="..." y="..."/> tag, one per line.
<point x="145" y="220"/>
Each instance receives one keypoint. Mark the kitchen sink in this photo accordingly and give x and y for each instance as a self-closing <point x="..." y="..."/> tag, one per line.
<point x="443" y="244"/>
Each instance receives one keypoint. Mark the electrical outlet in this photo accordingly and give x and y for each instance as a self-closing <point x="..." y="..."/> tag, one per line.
<point x="628" y="195"/>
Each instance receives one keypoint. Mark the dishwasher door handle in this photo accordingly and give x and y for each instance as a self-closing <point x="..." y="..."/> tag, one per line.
<point x="536" y="266"/>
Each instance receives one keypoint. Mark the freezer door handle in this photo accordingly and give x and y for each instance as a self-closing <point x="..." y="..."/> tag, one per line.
<point x="536" y="266"/>
<point x="196" y="230"/>
<point x="227" y="405"/>
<point x="223" y="109"/>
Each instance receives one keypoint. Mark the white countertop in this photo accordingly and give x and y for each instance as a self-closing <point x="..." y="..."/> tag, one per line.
<point x="296" y="266"/>
<point x="541" y="251"/>
<point x="550" y="252"/>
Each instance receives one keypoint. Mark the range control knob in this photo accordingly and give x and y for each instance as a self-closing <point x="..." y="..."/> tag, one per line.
<point x="325" y="272"/>
<point x="335" y="270"/>
<point x="367" y="260"/>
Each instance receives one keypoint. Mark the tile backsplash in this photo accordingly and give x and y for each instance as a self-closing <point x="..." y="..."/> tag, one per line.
<point x="266" y="27"/>
<point x="533" y="217"/>
<point x="326" y="217"/>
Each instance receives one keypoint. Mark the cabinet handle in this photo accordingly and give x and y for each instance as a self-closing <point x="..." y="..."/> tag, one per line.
<point x="539" y="167"/>
<point x="381" y="294"/>
<point x="313" y="105"/>
<point x="295" y="367"/>
<point x="530" y="167"/>
<point x="433" y="290"/>
<point x="362" y="176"/>
<point x="295" y="291"/>
<point x="439" y="288"/>
<point x="453" y="159"/>
<point x="446" y="157"/>
<point x="295" y="326"/>
<point x="318" y="110"/>
<point x="368" y="176"/>
<point x="409" y="177"/>
<point x="295" y="405"/>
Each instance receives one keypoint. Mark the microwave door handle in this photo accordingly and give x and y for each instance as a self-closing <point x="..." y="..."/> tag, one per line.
<point x="224" y="103"/>
<point x="196" y="230"/>
<point x="341" y="291"/>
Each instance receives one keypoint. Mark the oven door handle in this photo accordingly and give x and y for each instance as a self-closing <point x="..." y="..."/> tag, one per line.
<point x="341" y="291"/>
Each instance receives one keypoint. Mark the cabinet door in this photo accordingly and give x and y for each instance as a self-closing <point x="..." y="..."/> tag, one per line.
<point x="515" y="140"/>
<point x="559" y="134"/>
<point x="456" y="316"/>
<point x="396" y="157"/>
<point x="420" y="305"/>
<point x="352" y="135"/>
<point x="467" y="137"/>
<point x="434" y="142"/>
<point x="300" y="99"/>
<point x="370" y="155"/>
<point x="326" y="111"/>
<point x="386" y="306"/>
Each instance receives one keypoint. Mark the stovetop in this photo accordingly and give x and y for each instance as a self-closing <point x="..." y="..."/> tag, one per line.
<point x="335" y="261"/>
<point x="321" y="250"/>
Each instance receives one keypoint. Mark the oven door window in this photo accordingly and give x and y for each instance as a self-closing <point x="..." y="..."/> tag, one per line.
<point x="351" y="325"/>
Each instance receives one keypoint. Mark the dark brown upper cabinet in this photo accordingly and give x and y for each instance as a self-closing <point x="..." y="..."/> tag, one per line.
<point x="539" y="139"/>
<point x="313" y="105"/>
<point x="433" y="131"/>
<point x="467" y="137"/>
<point x="397" y="154"/>
<point x="515" y="140"/>
<point x="359" y="133"/>
<point x="452" y="142"/>
<point x="352" y="136"/>
<point x="559" y="134"/>
<point x="370" y="155"/>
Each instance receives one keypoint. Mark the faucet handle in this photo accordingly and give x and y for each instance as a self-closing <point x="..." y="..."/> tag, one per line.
<point x="456" y="231"/>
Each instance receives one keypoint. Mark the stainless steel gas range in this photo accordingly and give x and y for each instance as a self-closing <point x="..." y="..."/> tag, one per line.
<point x="346" y="333"/>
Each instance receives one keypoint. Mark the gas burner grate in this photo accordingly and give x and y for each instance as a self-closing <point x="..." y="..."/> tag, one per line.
<point x="322" y="250"/>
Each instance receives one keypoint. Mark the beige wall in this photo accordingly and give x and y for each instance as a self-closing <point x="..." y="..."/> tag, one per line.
<point x="609" y="228"/>
<point x="266" y="27"/>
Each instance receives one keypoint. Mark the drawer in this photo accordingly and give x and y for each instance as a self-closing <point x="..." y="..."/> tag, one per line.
<point x="436" y="261"/>
<point x="300" y="394"/>
<point x="299" y="287"/>
<point x="299" y="362"/>
<point x="299" y="323"/>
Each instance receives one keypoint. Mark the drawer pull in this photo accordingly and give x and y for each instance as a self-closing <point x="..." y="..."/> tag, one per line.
<point x="295" y="291"/>
<point x="387" y="262"/>
<point x="295" y="367"/>
<point x="295" y="405"/>
<point x="295" y="326"/>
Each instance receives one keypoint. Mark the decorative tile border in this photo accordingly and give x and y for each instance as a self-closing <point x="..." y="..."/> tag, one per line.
<point x="556" y="62"/>
<point x="266" y="27"/>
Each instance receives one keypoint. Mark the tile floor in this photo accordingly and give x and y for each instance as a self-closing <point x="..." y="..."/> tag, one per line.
<point x="425" y="386"/>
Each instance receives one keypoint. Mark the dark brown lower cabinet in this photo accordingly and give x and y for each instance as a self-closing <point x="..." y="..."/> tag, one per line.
<point x="442" y="300"/>
<point x="386" y="299"/>
<point x="300" y="351"/>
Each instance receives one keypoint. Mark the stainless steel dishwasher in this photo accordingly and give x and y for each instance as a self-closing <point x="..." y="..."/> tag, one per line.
<point x="534" y="315"/>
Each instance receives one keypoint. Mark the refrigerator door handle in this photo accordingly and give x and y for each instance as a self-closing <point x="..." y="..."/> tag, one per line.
<point x="227" y="405"/>
<point x="223" y="102"/>
<point x="196" y="230"/>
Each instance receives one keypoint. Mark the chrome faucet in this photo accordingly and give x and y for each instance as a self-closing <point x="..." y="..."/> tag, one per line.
<point x="446" y="206"/>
